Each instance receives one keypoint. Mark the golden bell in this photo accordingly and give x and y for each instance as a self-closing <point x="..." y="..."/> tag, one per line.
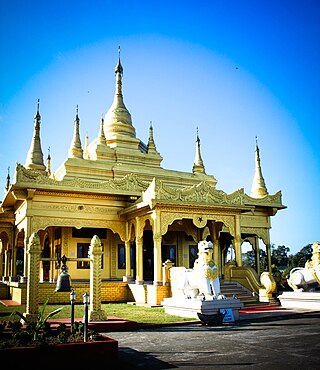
<point x="64" y="280"/>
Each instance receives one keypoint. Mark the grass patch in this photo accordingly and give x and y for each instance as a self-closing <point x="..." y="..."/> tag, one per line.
<point x="139" y="314"/>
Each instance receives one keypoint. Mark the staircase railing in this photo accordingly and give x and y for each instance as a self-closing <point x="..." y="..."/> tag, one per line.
<point x="246" y="276"/>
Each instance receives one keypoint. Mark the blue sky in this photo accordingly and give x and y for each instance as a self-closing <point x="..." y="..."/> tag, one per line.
<point x="234" y="69"/>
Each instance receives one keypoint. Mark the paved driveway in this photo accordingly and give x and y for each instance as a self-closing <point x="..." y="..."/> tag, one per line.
<point x="272" y="343"/>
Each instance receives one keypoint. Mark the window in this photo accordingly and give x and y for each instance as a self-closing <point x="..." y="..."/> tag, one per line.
<point x="83" y="252"/>
<point x="169" y="252"/>
<point x="121" y="256"/>
<point x="193" y="255"/>
<point x="19" y="261"/>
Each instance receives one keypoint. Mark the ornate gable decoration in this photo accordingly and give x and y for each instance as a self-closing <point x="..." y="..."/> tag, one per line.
<point x="32" y="178"/>
<point x="203" y="192"/>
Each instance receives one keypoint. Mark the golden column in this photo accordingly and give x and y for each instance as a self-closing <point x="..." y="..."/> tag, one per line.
<point x="215" y="241"/>
<point x="139" y="260"/>
<point x="33" y="258"/>
<point x="257" y="252"/>
<point x="6" y="269"/>
<point x="139" y="252"/>
<point x="95" y="311"/>
<point x="157" y="266"/>
<point x="237" y="241"/>
<point x="128" y="276"/>
<point x="157" y="239"/>
<point x="268" y="249"/>
<point x="27" y="229"/>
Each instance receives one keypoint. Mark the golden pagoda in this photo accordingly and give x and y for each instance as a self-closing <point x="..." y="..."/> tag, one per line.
<point x="145" y="215"/>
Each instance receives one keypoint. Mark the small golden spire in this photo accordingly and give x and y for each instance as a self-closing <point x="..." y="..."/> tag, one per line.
<point x="198" y="163"/>
<point x="102" y="138"/>
<point x="34" y="158"/>
<point x="151" y="147"/>
<point x="49" y="162"/>
<point x="76" y="148"/>
<point x="8" y="180"/>
<point x="258" y="189"/>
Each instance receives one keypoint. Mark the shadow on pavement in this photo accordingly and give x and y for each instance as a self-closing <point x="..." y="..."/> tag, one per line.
<point x="129" y="358"/>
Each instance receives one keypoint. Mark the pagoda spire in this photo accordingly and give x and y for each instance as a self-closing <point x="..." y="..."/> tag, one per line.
<point x="35" y="156"/>
<point x="75" y="150"/>
<point x="118" y="119"/>
<point x="198" y="166"/>
<point x="151" y="147"/>
<point x="102" y="138"/>
<point x="258" y="189"/>
<point x="8" y="180"/>
<point x="49" y="162"/>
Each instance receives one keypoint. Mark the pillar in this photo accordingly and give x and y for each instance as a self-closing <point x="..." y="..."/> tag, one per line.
<point x="33" y="266"/>
<point x="95" y="311"/>
<point x="157" y="265"/>
<point x="237" y="241"/>
<point x="13" y="268"/>
<point x="257" y="253"/>
<point x="6" y="273"/>
<point x="139" y="261"/>
<point x="1" y="269"/>
<point x="268" y="248"/>
<point x="215" y="241"/>
<point x="128" y="276"/>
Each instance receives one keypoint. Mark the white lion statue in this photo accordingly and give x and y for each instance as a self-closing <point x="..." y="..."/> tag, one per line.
<point x="202" y="280"/>
<point x="301" y="278"/>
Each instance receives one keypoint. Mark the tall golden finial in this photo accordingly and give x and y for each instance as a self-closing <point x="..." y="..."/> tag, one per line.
<point x="76" y="147"/>
<point x="118" y="119"/>
<point x="151" y="147"/>
<point x="49" y="162"/>
<point x="258" y="189"/>
<point x="119" y="68"/>
<point x="8" y="180"/>
<point x="198" y="163"/>
<point x="34" y="158"/>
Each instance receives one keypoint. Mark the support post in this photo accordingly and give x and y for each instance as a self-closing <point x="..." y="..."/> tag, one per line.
<point x="33" y="254"/>
<point x="85" y="317"/>
<point x="96" y="313"/>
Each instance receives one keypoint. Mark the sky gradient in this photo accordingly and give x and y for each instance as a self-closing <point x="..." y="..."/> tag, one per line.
<point x="233" y="69"/>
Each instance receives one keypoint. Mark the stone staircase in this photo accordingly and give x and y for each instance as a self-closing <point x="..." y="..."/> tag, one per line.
<point x="230" y="288"/>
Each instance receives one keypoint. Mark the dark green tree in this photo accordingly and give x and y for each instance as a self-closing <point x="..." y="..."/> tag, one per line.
<point x="248" y="259"/>
<point x="279" y="255"/>
<point x="300" y="258"/>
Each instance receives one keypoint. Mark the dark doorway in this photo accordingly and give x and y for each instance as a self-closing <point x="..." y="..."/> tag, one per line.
<point x="46" y="264"/>
<point x="147" y="255"/>
<point x="133" y="259"/>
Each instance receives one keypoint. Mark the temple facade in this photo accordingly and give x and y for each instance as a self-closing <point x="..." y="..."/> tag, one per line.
<point x="115" y="187"/>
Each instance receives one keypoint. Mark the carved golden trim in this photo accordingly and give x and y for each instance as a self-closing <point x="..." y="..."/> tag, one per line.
<point x="261" y="232"/>
<point x="79" y="195"/>
<point x="204" y="192"/>
<point x="41" y="223"/>
<point x="78" y="207"/>
<point x="129" y="183"/>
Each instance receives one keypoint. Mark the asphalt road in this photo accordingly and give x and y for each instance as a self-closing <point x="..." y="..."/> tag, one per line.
<point x="271" y="343"/>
